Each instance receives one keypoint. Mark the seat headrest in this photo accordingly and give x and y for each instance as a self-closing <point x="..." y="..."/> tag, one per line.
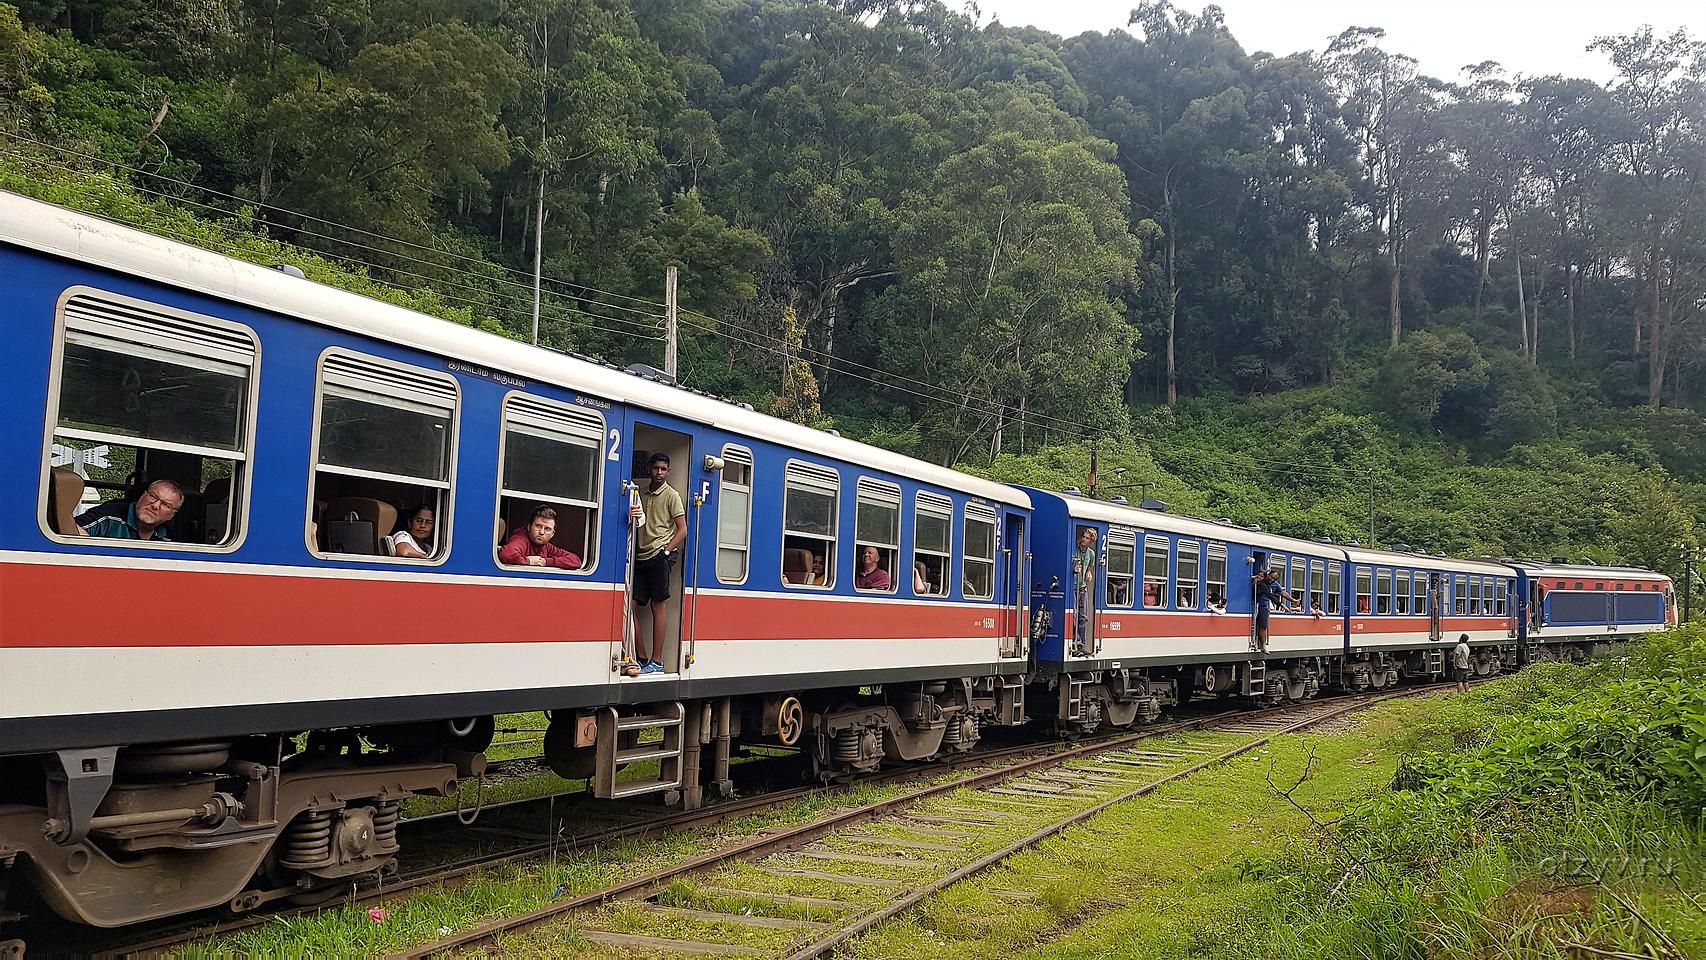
<point x="64" y="498"/>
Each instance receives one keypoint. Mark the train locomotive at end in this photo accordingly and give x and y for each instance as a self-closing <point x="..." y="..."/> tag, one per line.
<point x="221" y="672"/>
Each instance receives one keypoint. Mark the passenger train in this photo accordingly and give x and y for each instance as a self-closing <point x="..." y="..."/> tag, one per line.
<point x="232" y="714"/>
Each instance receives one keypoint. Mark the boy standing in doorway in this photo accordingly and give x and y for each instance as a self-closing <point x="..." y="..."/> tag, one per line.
<point x="663" y="526"/>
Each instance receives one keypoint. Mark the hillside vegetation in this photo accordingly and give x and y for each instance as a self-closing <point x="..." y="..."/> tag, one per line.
<point x="1317" y="292"/>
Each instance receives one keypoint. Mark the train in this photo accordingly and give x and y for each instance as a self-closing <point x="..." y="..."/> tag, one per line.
<point x="218" y="682"/>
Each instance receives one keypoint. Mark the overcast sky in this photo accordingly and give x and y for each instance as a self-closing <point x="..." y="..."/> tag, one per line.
<point x="1527" y="36"/>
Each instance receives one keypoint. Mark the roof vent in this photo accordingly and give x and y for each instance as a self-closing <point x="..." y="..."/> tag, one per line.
<point x="1157" y="505"/>
<point x="832" y="431"/>
<point x="1324" y="540"/>
<point x="1254" y="526"/>
<point x="1559" y="560"/>
<point x="649" y="372"/>
<point x="290" y="270"/>
<point x="1404" y="548"/>
<point x="1119" y="500"/>
<point x="746" y="406"/>
<point x="1071" y="491"/>
<point x="1225" y="522"/>
<point x="1353" y="543"/>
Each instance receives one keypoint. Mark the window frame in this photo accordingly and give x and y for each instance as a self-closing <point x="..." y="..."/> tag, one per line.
<point x="739" y="454"/>
<point x="1383" y="591"/>
<point x="883" y="493"/>
<point x="940" y="506"/>
<point x="799" y="467"/>
<point x="1459" y="595"/>
<point x="594" y="522"/>
<point x="1195" y="555"/>
<point x="242" y="456"/>
<point x="1402" y="590"/>
<point x="974" y="512"/>
<point x="1125" y="538"/>
<point x="1335" y="588"/>
<point x="1316" y="593"/>
<point x="1501" y="597"/>
<point x="1364" y="575"/>
<point x="1213" y="551"/>
<point x="445" y="511"/>
<point x="1165" y="543"/>
<point x="1474" y="596"/>
<point x="1298" y="582"/>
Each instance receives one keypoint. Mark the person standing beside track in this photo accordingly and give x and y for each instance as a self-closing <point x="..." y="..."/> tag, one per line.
<point x="663" y="527"/>
<point x="1460" y="663"/>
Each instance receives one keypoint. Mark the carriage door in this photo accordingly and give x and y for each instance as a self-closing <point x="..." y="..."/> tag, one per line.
<point x="684" y="476"/>
<point x="1015" y="586"/>
<point x="1433" y="608"/>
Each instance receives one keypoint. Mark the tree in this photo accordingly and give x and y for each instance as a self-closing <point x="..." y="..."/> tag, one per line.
<point x="1652" y="526"/>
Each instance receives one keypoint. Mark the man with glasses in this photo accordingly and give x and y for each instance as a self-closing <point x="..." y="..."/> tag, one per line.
<point x="142" y="520"/>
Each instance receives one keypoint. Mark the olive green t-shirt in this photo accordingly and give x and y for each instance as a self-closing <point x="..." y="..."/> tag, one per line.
<point x="661" y="508"/>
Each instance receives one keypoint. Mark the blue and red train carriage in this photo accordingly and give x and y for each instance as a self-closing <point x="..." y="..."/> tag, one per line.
<point x="234" y="713"/>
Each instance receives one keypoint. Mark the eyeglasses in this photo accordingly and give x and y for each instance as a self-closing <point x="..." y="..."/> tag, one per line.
<point x="165" y="504"/>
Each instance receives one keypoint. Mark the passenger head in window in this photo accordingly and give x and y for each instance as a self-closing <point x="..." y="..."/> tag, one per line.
<point x="920" y="578"/>
<point x="870" y="575"/>
<point x="531" y="546"/>
<point x="141" y="520"/>
<point x="415" y="537"/>
<point x="817" y="578"/>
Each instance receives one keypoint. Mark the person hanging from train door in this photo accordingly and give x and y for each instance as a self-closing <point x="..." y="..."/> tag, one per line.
<point x="1084" y="586"/>
<point x="662" y="529"/>
<point x="1268" y="595"/>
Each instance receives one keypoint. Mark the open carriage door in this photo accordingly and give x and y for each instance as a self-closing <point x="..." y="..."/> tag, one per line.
<point x="1015" y="587"/>
<point x="647" y="439"/>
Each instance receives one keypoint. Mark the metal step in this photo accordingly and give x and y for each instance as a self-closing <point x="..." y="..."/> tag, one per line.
<point x="611" y="756"/>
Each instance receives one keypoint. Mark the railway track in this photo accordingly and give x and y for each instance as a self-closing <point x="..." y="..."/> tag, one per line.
<point x="582" y="826"/>
<point x="804" y="891"/>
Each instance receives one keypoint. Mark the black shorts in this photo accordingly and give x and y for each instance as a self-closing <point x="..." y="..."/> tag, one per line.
<point x="1460" y="674"/>
<point x="651" y="579"/>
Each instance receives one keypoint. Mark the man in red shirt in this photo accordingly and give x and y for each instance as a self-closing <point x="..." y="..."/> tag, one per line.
<point x="531" y="545"/>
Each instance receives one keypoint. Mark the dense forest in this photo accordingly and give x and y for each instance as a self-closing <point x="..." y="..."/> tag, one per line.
<point x="1323" y="292"/>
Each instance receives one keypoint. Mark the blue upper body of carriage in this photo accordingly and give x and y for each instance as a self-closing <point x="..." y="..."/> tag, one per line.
<point x="274" y="519"/>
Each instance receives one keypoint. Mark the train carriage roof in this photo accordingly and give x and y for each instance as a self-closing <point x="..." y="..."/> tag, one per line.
<point x="1125" y="515"/>
<point x="55" y="230"/>
<point x="1536" y="568"/>
<point x="1399" y="558"/>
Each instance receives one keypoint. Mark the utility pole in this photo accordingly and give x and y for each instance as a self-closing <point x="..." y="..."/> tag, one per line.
<point x="539" y="210"/>
<point x="671" y="345"/>
<point x="1090" y="484"/>
<point x="1370" y="508"/>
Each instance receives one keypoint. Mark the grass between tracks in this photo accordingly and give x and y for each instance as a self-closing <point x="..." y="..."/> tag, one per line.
<point x="1553" y="814"/>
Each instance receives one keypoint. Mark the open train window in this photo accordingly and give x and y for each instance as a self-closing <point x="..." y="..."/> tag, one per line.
<point x="1214" y="576"/>
<point x="811" y="497"/>
<point x="1401" y="593"/>
<point x="877" y="526"/>
<point x="1460" y="605"/>
<point x="551" y="456"/>
<point x="734" y="515"/>
<point x="1298" y="583"/>
<point x="1422" y="592"/>
<point x="1502" y="598"/>
<point x="1317" y="587"/>
<point x="145" y="394"/>
<point x="979" y="562"/>
<point x="1475" y="608"/>
<point x="1122" y="567"/>
<point x="1365" y="590"/>
<point x="1383" y="592"/>
<point x="1334" y="592"/>
<point x="384" y="443"/>
<point x="932" y="540"/>
<point x="1154" y="571"/>
<point x="1187" y="575"/>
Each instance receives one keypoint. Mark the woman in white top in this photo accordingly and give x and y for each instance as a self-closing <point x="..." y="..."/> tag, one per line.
<point x="414" y="538"/>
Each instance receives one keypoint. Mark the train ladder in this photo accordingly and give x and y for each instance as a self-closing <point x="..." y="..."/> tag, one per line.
<point x="1436" y="662"/>
<point x="1255" y="678"/>
<point x="620" y="743"/>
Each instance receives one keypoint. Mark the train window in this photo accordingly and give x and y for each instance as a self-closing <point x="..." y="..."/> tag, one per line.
<point x="1214" y="575"/>
<point x="1475" y="596"/>
<point x="1460" y="602"/>
<point x="1502" y="596"/>
<point x="1154" y="571"/>
<point x="1599" y="586"/>
<point x="1317" y="587"/>
<point x="734" y="515"/>
<point x="932" y="540"/>
<point x="1276" y="563"/>
<point x="1401" y="593"/>
<point x="1298" y="583"/>
<point x="876" y="524"/>
<point x="1122" y="566"/>
<point x="1487" y="596"/>
<point x="1187" y="575"/>
<point x="146" y="393"/>
<point x="383" y="445"/>
<point x="1578" y="584"/>
<point x="810" y="500"/>
<point x="1333" y="589"/>
<point x="551" y="456"/>
<point x="979" y="564"/>
<point x="1422" y="591"/>
<point x="1383" y="591"/>
<point x="1365" y="590"/>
